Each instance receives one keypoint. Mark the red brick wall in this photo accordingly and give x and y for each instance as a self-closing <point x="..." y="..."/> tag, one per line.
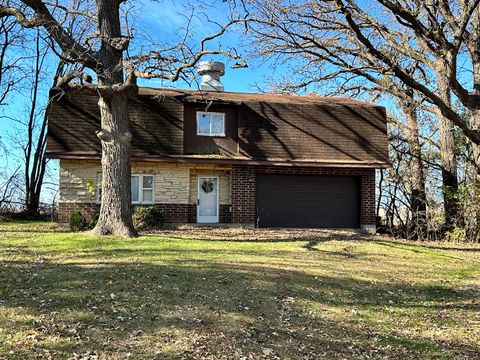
<point x="174" y="213"/>
<point x="178" y="213"/>
<point x="66" y="209"/>
<point x="242" y="181"/>
<point x="225" y="214"/>
<point x="244" y="196"/>
<point x="367" y="214"/>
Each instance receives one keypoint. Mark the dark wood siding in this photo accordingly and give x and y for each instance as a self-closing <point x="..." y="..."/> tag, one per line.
<point x="156" y="125"/>
<point x="308" y="201"/>
<point x="312" y="131"/>
<point x="195" y="144"/>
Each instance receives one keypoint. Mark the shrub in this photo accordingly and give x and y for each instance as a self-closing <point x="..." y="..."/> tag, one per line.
<point x="77" y="221"/>
<point x="457" y="234"/>
<point x="147" y="217"/>
<point x="93" y="219"/>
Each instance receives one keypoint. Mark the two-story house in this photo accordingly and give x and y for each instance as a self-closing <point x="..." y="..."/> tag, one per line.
<point x="211" y="156"/>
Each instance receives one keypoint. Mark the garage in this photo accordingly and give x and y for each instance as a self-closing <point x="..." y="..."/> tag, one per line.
<point x="308" y="201"/>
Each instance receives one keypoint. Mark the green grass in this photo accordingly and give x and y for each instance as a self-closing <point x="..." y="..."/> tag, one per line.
<point x="158" y="297"/>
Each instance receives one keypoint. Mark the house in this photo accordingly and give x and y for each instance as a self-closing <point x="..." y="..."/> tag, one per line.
<point x="211" y="156"/>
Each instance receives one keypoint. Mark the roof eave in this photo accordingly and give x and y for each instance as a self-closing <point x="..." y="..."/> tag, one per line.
<point x="232" y="161"/>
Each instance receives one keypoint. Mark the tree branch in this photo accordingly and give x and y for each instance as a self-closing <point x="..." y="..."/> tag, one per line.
<point x="44" y="18"/>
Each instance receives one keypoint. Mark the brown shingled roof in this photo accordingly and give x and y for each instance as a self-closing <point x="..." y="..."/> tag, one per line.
<point x="237" y="97"/>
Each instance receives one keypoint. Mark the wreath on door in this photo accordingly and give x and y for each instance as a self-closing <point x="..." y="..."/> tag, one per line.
<point x="207" y="186"/>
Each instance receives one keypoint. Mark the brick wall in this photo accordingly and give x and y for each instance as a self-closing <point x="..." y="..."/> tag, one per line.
<point x="177" y="213"/>
<point x="367" y="214"/>
<point x="174" y="213"/>
<point x="226" y="214"/>
<point x="187" y="213"/>
<point x="66" y="209"/>
<point x="243" y="194"/>
<point x="244" y="189"/>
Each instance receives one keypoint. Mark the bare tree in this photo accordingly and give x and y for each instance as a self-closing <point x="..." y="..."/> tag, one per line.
<point x="102" y="53"/>
<point x="418" y="196"/>
<point x="10" y="71"/>
<point x="396" y="45"/>
<point x="9" y="186"/>
<point x="387" y="38"/>
<point x="381" y="42"/>
<point x="34" y="156"/>
<point x="31" y="57"/>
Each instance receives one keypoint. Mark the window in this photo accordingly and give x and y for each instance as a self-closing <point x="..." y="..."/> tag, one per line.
<point x="142" y="189"/>
<point x="141" y="185"/>
<point x="99" y="187"/>
<point x="210" y="123"/>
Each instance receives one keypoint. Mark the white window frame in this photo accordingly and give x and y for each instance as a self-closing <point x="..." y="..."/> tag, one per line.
<point x="98" y="188"/>
<point x="201" y="113"/>
<point x="140" y="188"/>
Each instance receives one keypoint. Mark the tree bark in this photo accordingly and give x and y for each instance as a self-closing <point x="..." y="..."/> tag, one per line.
<point x="115" y="216"/>
<point x="453" y="216"/>
<point x="472" y="226"/>
<point x="418" y="197"/>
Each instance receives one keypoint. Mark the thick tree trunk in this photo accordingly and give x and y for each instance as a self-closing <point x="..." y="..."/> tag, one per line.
<point x="33" y="205"/>
<point x="475" y="119"/>
<point x="115" y="212"/>
<point x="418" y="197"/>
<point x="449" y="174"/>
<point x="472" y="225"/>
<point x="453" y="216"/>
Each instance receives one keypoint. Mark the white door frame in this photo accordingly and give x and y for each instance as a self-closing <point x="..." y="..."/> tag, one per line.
<point x="208" y="219"/>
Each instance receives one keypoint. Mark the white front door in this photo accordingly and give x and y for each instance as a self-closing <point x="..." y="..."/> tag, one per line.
<point x="207" y="204"/>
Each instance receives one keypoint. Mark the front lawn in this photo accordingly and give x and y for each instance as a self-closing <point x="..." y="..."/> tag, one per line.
<point x="188" y="295"/>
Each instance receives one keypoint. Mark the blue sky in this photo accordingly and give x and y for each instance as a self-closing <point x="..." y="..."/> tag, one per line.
<point x="165" y="20"/>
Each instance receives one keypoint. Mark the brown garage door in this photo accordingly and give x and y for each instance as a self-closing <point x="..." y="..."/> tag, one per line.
<point x="308" y="201"/>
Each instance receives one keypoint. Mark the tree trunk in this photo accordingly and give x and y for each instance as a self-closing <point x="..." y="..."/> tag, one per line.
<point x="418" y="197"/>
<point x="472" y="226"/>
<point x="472" y="212"/>
<point x="115" y="212"/>
<point x="453" y="215"/>
<point x="449" y="173"/>
<point x="35" y="161"/>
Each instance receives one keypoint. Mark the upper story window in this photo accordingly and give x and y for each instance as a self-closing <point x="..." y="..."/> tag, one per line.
<point x="142" y="187"/>
<point x="210" y="123"/>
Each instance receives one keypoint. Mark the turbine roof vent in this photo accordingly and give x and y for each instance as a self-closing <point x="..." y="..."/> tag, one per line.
<point x="211" y="71"/>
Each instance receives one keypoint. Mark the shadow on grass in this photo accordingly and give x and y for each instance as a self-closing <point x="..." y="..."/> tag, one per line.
<point x="262" y="235"/>
<point x="196" y="309"/>
<point x="420" y="247"/>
